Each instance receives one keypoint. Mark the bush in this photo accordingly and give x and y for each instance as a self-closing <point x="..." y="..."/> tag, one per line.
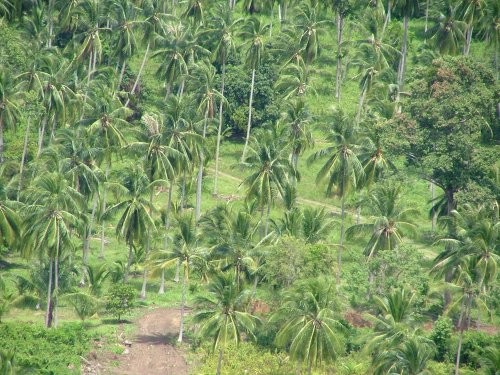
<point x="247" y="359"/>
<point x="45" y="351"/>
<point x="473" y="346"/>
<point x="120" y="300"/>
<point x="441" y="335"/>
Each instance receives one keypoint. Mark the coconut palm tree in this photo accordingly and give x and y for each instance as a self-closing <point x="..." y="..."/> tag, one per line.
<point x="159" y="165"/>
<point x="207" y="97"/>
<point x="222" y="32"/>
<point x="341" y="9"/>
<point x="9" y="107"/>
<point x="231" y="236"/>
<point x="392" y="221"/>
<point x="394" y="322"/>
<point x="406" y="9"/>
<point x="448" y="32"/>
<point x="308" y="24"/>
<point x="271" y="170"/>
<point x="222" y="314"/>
<point x="152" y="25"/>
<point x="187" y="252"/>
<point x="254" y="32"/>
<point x="476" y="242"/>
<point x="310" y="330"/>
<point x="490" y="361"/>
<point x="293" y="83"/>
<point x="53" y="212"/>
<point x="343" y="168"/>
<point x="10" y="222"/>
<point x="135" y="221"/>
<point x="125" y="43"/>
<point x="297" y="132"/>
<point x="471" y="13"/>
<point x="409" y="358"/>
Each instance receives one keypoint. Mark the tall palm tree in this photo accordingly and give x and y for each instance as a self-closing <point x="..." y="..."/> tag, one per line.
<point x="271" y="170"/>
<point x="153" y="23"/>
<point x="341" y="9"/>
<point x="105" y="124"/>
<point x="254" y="32"/>
<point x="297" y="132"/>
<point x="293" y="83"/>
<point x="310" y="26"/>
<point x="310" y="329"/>
<point x="343" y="168"/>
<point x="10" y="222"/>
<point x="207" y="97"/>
<point x="392" y="221"/>
<point x="222" y="31"/>
<point x="406" y="9"/>
<point x="231" y="236"/>
<point x="222" y="314"/>
<point x="187" y="252"/>
<point x="9" y="108"/>
<point x="448" y="32"/>
<point x="52" y="213"/>
<point x="125" y="43"/>
<point x="135" y="221"/>
<point x="472" y="12"/>
<point x="477" y="240"/>
<point x="159" y="165"/>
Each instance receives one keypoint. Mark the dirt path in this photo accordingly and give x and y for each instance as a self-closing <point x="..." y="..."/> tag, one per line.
<point x="152" y="349"/>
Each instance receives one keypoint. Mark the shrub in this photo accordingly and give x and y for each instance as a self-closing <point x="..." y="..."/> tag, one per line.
<point x="120" y="300"/>
<point x="441" y="335"/>
<point x="45" y="351"/>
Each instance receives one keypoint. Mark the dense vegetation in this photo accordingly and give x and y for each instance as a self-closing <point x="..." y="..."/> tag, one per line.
<point x="318" y="181"/>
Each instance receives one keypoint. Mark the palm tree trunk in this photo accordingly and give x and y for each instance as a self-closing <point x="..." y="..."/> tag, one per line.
<point x="404" y="47"/>
<point x="177" y="272"/>
<point x="340" y="28"/>
<point x="183" y="303"/>
<point x="56" y="284"/>
<point x="219" y="129"/>
<point x="468" y="40"/>
<point x="122" y="73"/>
<point x="48" y="315"/>
<point x="162" y="283"/>
<point x="426" y="14"/>
<point x="41" y="133"/>
<point x="51" y="23"/>
<point x="339" y="254"/>
<point x="103" y="223"/>
<point x="139" y="74"/>
<point x="183" y="190"/>
<point x="249" y="125"/>
<point x="433" y="213"/>
<point x="148" y="249"/>
<point x="165" y="240"/>
<point x="271" y="21"/>
<point x="168" y="89"/>
<point x="267" y="219"/>
<point x="23" y="159"/>
<point x="199" y="179"/>
<point x="459" y="349"/>
<point x="387" y="19"/>
<point x="361" y="102"/>
<point x="219" y="362"/>
<point x="129" y="263"/>
<point x="309" y="366"/>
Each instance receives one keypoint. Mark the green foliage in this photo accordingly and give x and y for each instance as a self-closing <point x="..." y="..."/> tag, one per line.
<point x="303" y="261"/>
<point x="266" y="106"/>
<point x="46" y="352"/>
<point x="248" y="359"/>
<point x="474" y="346"/>
<point x="441" y="336"/>
<point x="120" y="300"/>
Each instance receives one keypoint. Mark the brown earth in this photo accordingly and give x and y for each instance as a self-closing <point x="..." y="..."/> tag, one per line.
<point x="151" y="350"/>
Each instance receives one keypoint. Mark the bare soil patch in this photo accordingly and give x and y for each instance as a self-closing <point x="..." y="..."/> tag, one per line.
<point x="151" y="350"/>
